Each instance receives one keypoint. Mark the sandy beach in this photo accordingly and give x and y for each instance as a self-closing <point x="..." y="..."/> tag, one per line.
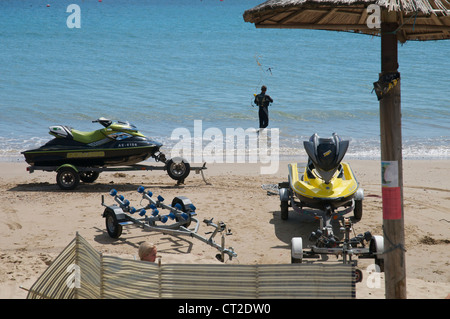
<point x="38" y="220"/>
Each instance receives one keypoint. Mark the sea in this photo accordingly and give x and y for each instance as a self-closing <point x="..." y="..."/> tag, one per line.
<point x="167" y="66"/>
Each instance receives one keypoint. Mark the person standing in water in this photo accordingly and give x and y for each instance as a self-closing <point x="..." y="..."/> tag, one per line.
<point x="263" y="100"/>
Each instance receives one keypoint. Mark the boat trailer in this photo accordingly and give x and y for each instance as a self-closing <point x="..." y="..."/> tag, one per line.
<point x="68" y="175"/>
<point x="177" y="222"/>
<point x="326" y="243"/>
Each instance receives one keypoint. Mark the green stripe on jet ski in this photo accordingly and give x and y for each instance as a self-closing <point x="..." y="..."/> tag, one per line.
<point x="84" y="150"/>
<point x="85" y="154"/>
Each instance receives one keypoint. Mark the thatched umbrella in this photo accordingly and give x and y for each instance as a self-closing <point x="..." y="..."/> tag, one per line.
<point x="395" y="21"/>
<point x="417" y="19"/>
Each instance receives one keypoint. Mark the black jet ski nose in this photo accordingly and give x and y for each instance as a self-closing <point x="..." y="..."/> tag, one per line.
<point x="326" y="154"/>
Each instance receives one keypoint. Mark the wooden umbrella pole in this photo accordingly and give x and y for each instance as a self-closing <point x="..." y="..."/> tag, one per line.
<point x="391" y="165"/>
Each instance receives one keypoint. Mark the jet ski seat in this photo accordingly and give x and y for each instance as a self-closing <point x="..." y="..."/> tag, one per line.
<point x="310" y="167"/>
<point x="87" y="137"/>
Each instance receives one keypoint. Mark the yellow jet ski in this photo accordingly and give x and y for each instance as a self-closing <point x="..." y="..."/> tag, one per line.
<point x="325" y="185"/>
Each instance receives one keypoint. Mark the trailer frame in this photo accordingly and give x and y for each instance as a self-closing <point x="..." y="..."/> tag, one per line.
<point x="68" y="175"/>
<point x="182" y="212"/>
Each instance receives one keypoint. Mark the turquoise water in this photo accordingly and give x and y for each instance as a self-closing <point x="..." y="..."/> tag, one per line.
<point x="164" y="64"/>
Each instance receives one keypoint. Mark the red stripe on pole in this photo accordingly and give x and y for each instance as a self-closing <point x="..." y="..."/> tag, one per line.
<point x="392" y="204"/>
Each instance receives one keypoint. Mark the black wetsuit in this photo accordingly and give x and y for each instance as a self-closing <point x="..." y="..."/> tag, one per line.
<point x="263" y="100"/>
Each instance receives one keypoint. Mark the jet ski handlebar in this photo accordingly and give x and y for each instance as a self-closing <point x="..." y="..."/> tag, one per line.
<point x="103" y="121"/>
<point x="119" y="125"/>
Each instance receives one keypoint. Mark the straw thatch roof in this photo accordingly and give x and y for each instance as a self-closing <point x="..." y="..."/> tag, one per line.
<point x="418" y="19"/>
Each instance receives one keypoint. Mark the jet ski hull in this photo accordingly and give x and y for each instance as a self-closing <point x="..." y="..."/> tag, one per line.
<point x="61" y="151"/>
<point x="314" y="193"/>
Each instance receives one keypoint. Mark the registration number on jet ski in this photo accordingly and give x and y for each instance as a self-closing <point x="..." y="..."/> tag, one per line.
<point x="127" y="145"/>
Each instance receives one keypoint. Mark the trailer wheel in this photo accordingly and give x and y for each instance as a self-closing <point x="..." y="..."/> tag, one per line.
<point x="89" y="177"/>
<point x="358" y="275"/>
<point x="113" y="228"/>
<point x="296" y="250"/>
<point x="376" y="248"/>
<point x="284" y="209"/>
<point x="358" y="210"/>
<point x="67" y="178"/>
<point x="178" y="170"/>
<point x="184" y="209"/>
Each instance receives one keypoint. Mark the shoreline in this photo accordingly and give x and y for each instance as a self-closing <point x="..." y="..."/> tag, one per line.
<point x="38" y="220"/>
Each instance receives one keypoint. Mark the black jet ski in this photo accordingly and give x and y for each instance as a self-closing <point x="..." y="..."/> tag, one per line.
<point x="118" y="143"/>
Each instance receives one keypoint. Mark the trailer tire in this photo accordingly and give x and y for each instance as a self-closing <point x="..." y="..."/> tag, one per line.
<point x="284" y="209"/>
<point x="358" y="275"/>
<point x="376" y="247"/>
<point x="179" y="200"/>
<point x="178" y="170"/>
<point x="89" y="177"/>
<point x="113" y="228"/>
<point x="296" y="250"/>
<point x="67" y="178"/>
<point x="358" y="210"/>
